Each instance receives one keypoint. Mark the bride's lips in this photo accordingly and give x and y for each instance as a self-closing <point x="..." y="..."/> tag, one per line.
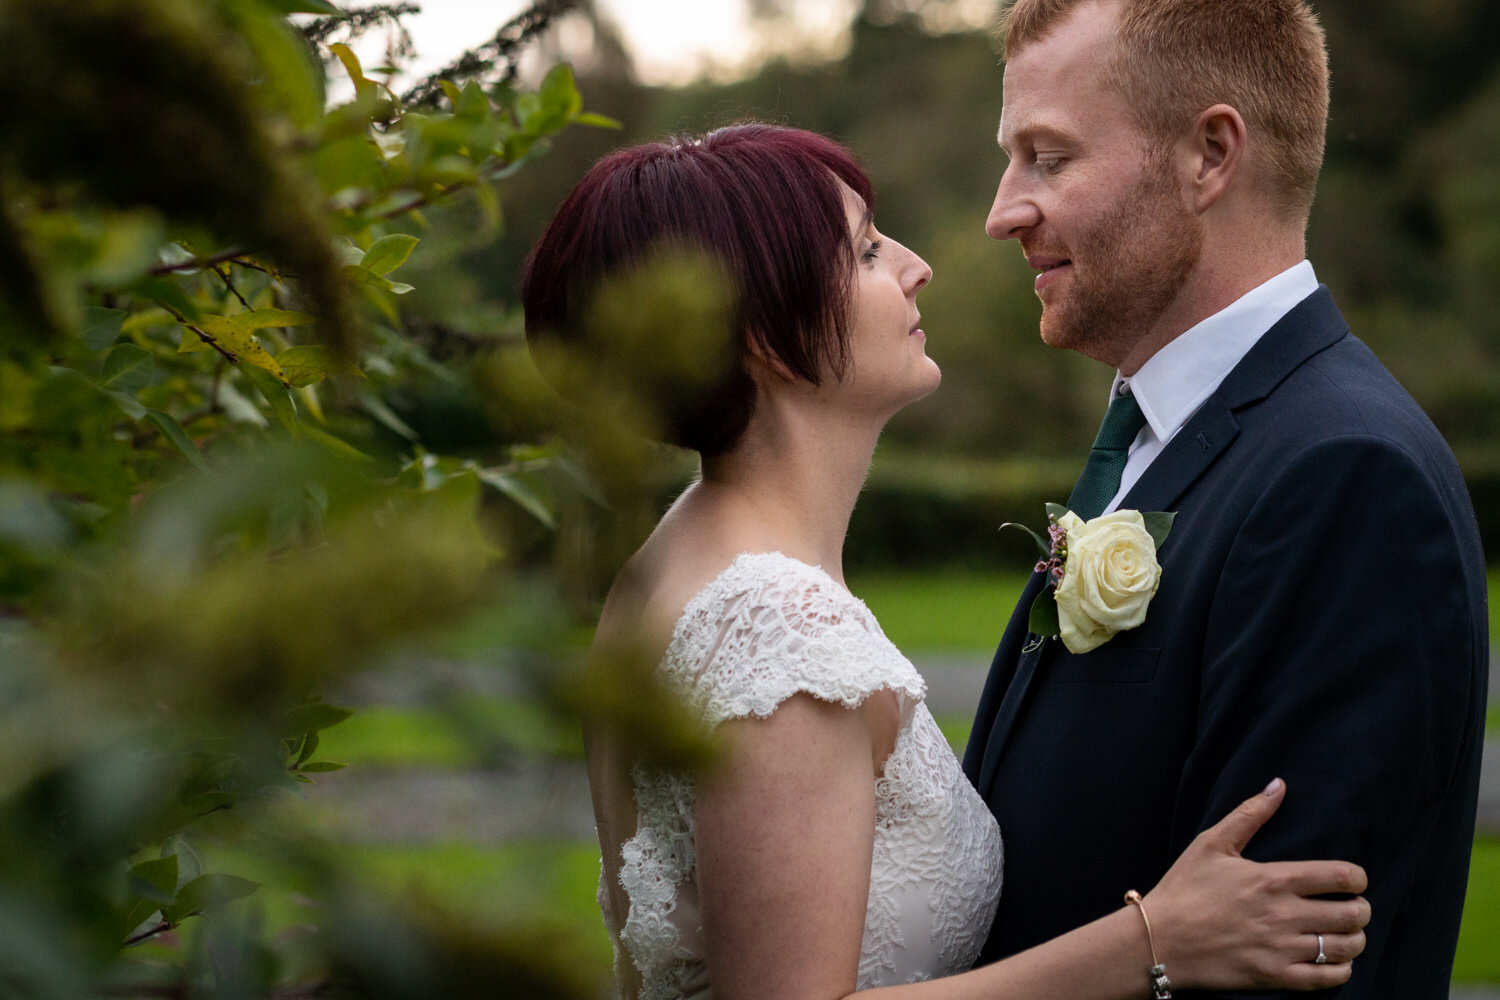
<point x="916" y="330"/>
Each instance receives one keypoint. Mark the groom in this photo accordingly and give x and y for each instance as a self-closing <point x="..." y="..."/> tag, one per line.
<point x="1321" y="615"/>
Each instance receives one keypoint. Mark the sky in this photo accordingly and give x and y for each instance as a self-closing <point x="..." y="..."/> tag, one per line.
<point x="672" y="41"/>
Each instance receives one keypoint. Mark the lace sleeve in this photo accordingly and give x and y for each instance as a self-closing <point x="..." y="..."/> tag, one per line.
<point x="770" y="627"/>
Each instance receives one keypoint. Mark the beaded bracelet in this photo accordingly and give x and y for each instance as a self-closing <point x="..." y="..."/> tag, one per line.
<point x="1161" y="986"/>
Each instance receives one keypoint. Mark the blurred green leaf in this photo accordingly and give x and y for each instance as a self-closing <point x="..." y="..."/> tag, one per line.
<point x="315" y="716"/>
<point x="155" y="880"/>
<point x="318" y="766"/>
<point x="128" y="404"/>
<point x="277" y="396"/>
<point x="204" y="891"/>
<point x="101" y="327"/>
<point x="189" y="864"/>
<point x="389" y="252"/>
<point x="560" y="90"/>
<point x="173" y="432"/>
<point x="596" y="120"/>
<point x="308" y="748"/>
<point x="128" y="368"/>
<point x="308" y="364"/>
<point x="523" y="493"/>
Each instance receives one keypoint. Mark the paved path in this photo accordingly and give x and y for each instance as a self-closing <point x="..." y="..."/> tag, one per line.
<point x="953" y="686"/>
<point x="549" y="798"/>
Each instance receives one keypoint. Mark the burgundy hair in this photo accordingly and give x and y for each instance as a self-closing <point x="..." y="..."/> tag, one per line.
<point x="765" y="202"/>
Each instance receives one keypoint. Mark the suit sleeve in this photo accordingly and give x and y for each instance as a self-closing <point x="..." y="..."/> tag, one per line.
<point x="1338" y="656"/>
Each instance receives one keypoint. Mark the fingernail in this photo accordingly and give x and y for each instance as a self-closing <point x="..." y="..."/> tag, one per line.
<point x="1273" y="787"/>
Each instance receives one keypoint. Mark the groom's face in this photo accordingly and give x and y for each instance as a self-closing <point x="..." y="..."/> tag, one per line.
<point x="1098" y="211"/>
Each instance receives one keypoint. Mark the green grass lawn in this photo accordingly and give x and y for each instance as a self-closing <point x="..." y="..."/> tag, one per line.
<point x="1478" y="959"/>
<point x="933" y="611"/>
<point x="941" y="611"/>
<point x="474" y="732"/>
<point x="1494" y="601"/>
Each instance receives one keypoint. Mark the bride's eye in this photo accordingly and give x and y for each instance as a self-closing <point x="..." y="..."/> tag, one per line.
<point x="872" y="251"/>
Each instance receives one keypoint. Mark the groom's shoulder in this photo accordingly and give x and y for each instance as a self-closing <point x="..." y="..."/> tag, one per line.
<point x="1345" y="390"/>
<point x="1343" y="401"/>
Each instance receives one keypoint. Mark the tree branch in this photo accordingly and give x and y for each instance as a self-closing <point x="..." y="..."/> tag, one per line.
<point x="224" y="277"/>
<point x="199" y="263"/>
<point x="146" y="935"/>
<point x="203" y="335"/>
<point x="504" y="46"/>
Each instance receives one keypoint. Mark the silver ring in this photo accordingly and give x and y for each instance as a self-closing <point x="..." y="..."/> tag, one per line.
<point x="1322" y="958"/>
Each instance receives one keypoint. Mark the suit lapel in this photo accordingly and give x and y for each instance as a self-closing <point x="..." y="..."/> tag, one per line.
<point x="1010" y="711"/>
<point x="1014" y="691"/>
<point x="1310" y="327"/>
<point x="1187" y="456"/>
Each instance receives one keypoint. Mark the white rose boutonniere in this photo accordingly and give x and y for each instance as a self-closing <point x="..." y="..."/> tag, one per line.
<point x="1103" y="574"/>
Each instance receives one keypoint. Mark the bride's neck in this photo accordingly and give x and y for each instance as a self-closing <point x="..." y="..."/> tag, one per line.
<point x="790" y="485"/>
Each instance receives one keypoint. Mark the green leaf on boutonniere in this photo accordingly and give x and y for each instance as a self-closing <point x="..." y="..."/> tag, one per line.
<point x="1159" y="525"/>
<point x="1055" y="511"/>
<point x="1043" y="620"/>
<point x="1042" y="545"/>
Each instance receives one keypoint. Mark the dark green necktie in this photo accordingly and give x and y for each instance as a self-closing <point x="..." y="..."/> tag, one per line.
<point x="1100" y="480"/>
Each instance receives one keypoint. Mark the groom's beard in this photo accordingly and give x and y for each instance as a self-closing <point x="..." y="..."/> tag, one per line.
<point x="1127" y="270"/>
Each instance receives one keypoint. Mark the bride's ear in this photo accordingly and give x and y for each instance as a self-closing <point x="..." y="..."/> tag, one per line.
<point x="762" y="364"/>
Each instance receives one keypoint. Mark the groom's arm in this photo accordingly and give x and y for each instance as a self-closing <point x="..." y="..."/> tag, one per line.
<point x="1339" y="656"/>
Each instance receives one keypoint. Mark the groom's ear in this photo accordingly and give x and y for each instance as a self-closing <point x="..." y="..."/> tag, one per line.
<point x="1217" y="149"/>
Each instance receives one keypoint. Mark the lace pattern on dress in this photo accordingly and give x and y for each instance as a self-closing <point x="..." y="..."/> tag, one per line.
<point x="767" y="628"/>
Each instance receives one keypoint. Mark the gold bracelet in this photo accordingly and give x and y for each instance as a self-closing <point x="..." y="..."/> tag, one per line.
<point x="1161" y="986"/>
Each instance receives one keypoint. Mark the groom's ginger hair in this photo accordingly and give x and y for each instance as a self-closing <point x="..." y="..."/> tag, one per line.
<point x="1267" y="59"/>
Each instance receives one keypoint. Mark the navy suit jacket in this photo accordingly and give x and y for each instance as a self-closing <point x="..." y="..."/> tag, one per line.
<point x="1321" y="617"/>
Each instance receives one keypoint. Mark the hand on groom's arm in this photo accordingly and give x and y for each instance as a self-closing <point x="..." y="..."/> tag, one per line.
<point x="1339" y="656"/>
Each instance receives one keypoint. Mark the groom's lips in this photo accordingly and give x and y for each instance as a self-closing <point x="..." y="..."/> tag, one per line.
<point x="1049" y="268"/>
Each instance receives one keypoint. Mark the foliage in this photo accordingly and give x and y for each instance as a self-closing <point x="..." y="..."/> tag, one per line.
<point x="1404" y="230"/>
<point x="210" y="506"/>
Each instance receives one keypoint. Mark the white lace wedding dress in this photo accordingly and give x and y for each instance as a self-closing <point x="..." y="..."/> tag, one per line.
<point x="767" y="628"/>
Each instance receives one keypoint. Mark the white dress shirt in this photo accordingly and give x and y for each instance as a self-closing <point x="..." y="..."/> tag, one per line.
<point x="1177" y="379"/>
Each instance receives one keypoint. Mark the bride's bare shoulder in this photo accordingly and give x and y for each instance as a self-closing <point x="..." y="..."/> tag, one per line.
<point x="653" y="588"/>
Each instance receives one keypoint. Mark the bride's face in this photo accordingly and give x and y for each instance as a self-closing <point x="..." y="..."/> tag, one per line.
<point x="889" y="367"/>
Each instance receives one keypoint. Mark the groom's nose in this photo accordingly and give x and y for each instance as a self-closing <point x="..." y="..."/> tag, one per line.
<point x="1012" y="213"/>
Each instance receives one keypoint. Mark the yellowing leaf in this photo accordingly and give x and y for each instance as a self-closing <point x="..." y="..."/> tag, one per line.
<point x="262" y="318"/>
<point x="236" y="335"/>
<point x="351" y="64"/>
<point x="192" y="343"/>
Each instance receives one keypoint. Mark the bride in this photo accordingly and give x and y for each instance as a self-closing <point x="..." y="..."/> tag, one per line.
<point x="835" y="844"/>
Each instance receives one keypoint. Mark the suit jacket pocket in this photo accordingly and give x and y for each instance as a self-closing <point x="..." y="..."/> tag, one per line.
<point x="1102" y="666"/>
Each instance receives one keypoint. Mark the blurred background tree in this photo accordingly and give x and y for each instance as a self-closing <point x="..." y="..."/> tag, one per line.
<point x="1405" y="232"/>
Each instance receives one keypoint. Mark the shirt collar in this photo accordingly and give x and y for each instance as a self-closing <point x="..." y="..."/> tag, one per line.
<point x="1175" y="381"/>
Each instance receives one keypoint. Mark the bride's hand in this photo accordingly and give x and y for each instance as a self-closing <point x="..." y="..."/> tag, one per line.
<point x="1223" y="922"/>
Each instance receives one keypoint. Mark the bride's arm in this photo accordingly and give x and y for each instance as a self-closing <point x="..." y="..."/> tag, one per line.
<point x="785" y="833"/>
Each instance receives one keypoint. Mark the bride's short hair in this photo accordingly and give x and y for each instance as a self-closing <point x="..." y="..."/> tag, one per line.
<point x="764" y="202"/>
